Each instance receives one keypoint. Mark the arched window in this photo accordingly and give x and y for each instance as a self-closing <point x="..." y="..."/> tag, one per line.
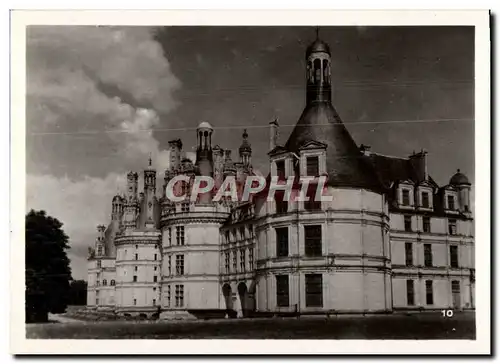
<point x="317" y="70"/>
<point x="104" y="282"/>
<point x="326" y="71"/>
<point x="112" y="283"/>
<point x="310" y="73"/>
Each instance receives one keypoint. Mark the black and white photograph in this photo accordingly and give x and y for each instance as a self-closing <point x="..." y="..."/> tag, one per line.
<point x="317" y="181"/>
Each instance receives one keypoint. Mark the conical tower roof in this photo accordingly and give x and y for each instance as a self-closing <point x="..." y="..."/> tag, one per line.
<point x="346" y="165"/>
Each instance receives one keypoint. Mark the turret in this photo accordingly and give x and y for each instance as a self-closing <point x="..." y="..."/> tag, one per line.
<point x="463" y="186"/>
<point x="99" y="242"/>
<point x="131" y="203"/>
<point x="149" y="193"/>
<point x="117" y="206"/>
<point x="204" y="157"/>
<point x="245" y="151"/>
<point x="318" y="73"/>
<point x="175" y="154"/>
<point x="132" y="184"/>
<point x="273" y="134"/>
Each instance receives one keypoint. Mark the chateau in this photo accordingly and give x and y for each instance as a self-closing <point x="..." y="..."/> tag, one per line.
<point x="391" y="238"/>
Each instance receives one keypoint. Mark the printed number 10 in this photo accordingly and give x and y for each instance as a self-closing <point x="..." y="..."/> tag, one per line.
<point x="447" y="313"/>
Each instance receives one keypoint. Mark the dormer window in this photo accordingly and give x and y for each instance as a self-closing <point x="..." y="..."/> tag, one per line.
<point x="312" y="166"/>
<point x="425" y="199"/>
<point x="280" y="169"/>
<point x="451" y="202"/>
<point x="406" y="197"/>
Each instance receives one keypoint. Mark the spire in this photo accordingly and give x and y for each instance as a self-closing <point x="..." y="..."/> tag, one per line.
<point x="317" y="33"/>
<point x="150" y="159"/>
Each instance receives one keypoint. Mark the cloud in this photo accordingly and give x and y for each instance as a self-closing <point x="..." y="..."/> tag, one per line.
<point x="103" y="89"/>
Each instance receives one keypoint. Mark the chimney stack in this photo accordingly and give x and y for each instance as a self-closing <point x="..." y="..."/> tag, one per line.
<point x="273" y="135"/>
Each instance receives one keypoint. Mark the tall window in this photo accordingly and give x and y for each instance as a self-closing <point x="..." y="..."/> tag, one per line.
<point x="425" y="199"/>
<point x="180" y="235"/>
<point x="427" y="224"/>
<point x="455" y="286"/>
<point x="228" y="237"/>
<point x="317" y="70"/>
<point x="314" y="290"/>
<point x="104" y="282"/>
<point x="313" y="246"/>
<point x="99" y="250"/>
<point x="136" y="256"/>
<point x="409" y="254"/>
<point x="226" y="262"/>
<point x="282" y="291"/>
<point x="452" y="226"/>
<point x="281" y="205"/>
<point x="154" y="301"/>
<point x="185" y="207"/>
<point x="451" y="202"/>
<point x="429" y="294"/>
<point x="168" y="295"/>
<point x="169" y="265"/>
<point x="406" y="197"/>
<point x="135" y="278"/>
<point x="155" y="279"/>
<point x="169" y="236"/>
<point x="428" y="255"/>
<point x="407" y="223"/>
<point x="242" y="260"/>
<point x="282" y="242"/>
<point x="112" y="283"/>
<point x="98" y="264"/>
<point x="135" y="301"/>
<point x="242" y="232"/>
<point x="250" y="258"/>
<point x="179" y="295"/>
<point x="454" y="256"/>
<point x="410" y="293"/>
<point x="235" y="261"/>
<point x="135" y="268"/>
<point x="312" y="166"/>
<point x="179" y="264"/>
<point x="280" y="169"/>
<point x="155" y="257"/>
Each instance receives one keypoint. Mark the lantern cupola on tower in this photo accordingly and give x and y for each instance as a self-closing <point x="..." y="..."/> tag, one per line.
<point x="318" y="58"/>
<point x="245" y="150"/>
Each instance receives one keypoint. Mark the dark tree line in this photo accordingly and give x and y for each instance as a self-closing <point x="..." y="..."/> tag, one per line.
<point x="48" y="274"/>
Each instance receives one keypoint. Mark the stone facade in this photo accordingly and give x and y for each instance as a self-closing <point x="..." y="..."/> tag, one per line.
<point x="389" y="239"/>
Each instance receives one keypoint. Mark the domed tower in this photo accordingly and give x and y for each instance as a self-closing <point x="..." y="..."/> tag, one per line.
<point x="204" y="159"/>
<point x="463" y="186"/>
<point x="318" y="60"/>
<point x="245" y="151"/>
<point x="117" y="208"/>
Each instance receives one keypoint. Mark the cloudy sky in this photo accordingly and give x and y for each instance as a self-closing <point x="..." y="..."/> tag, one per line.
<point x="92" y="92"/>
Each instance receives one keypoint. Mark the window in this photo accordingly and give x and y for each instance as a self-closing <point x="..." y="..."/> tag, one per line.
<point x="455" y="286"/>
<point x="312" y="166"/>
<point x="242" y="260"/>
<point x="179" y="264"/>
<point x="137" y="246"/>
<point x="154" y="289"/>
<point x="409" y="254"/>
<point x="228" y="237"/>
<point x="282" y="242"/>
<point x="169" y="265"/>
<point x="98" y="283"/>
<point x="429" y="296"/>
<point x="185" y="207"/>
<point x="408" y="223"/>
<point x="99" y="250"/>
<point x="410" y="292"/>
<point x="169" y="236"/>
<point x="317" y="70"/>
<point x="112" y="283"/>
<point x="281" y="206"/>
<point x="313" y="240"/>
<point x="155" y="279"/>
<point x="250" y="259"/>
<point x="235" y="261"/>
<point x="135" y="268"/>
<point x="156" y="268"/>
<point x="280" y="169"/>
<point x="154" y="301"/>
<point x="406" y="197"/>
<point x="311" y="204"/>
<point x="180" y="235"/>
<point x="428" y="255"/>
<point x="451" y="202"/>
<point x="168" y="295"/>
<point x="136" y="256"/>
<point x="98" y="264"/>
<point x="242" y="232"/>
<point x="226" y="262"/>
<point x="426" y="224"/>
<point x="466" y="208"/>
<point x="425" y="199"/>
<point x="454" y="256"/>
<point x="179" y="295"/>
<point x="135" y="278"/>
<point x="452" y="226"/>
<point x="104" y="282"/>
<point x="135" y="301"/>
<point x="155" y="257"/>
<point x="314" y="290"/>
<point x="282" y="291"/>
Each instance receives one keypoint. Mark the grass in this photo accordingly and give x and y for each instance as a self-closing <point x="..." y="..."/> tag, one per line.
<point x="424" y="326"/>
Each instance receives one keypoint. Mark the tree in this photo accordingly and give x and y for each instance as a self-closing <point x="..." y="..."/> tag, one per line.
<point x="78" y="293"/>
<point x="47" y="266"/>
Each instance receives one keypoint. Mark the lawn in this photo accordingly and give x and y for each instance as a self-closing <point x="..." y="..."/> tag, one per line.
<point x="398" y="326"/>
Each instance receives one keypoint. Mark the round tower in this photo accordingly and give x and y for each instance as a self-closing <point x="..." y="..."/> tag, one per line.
<point x="463" y="186"/>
